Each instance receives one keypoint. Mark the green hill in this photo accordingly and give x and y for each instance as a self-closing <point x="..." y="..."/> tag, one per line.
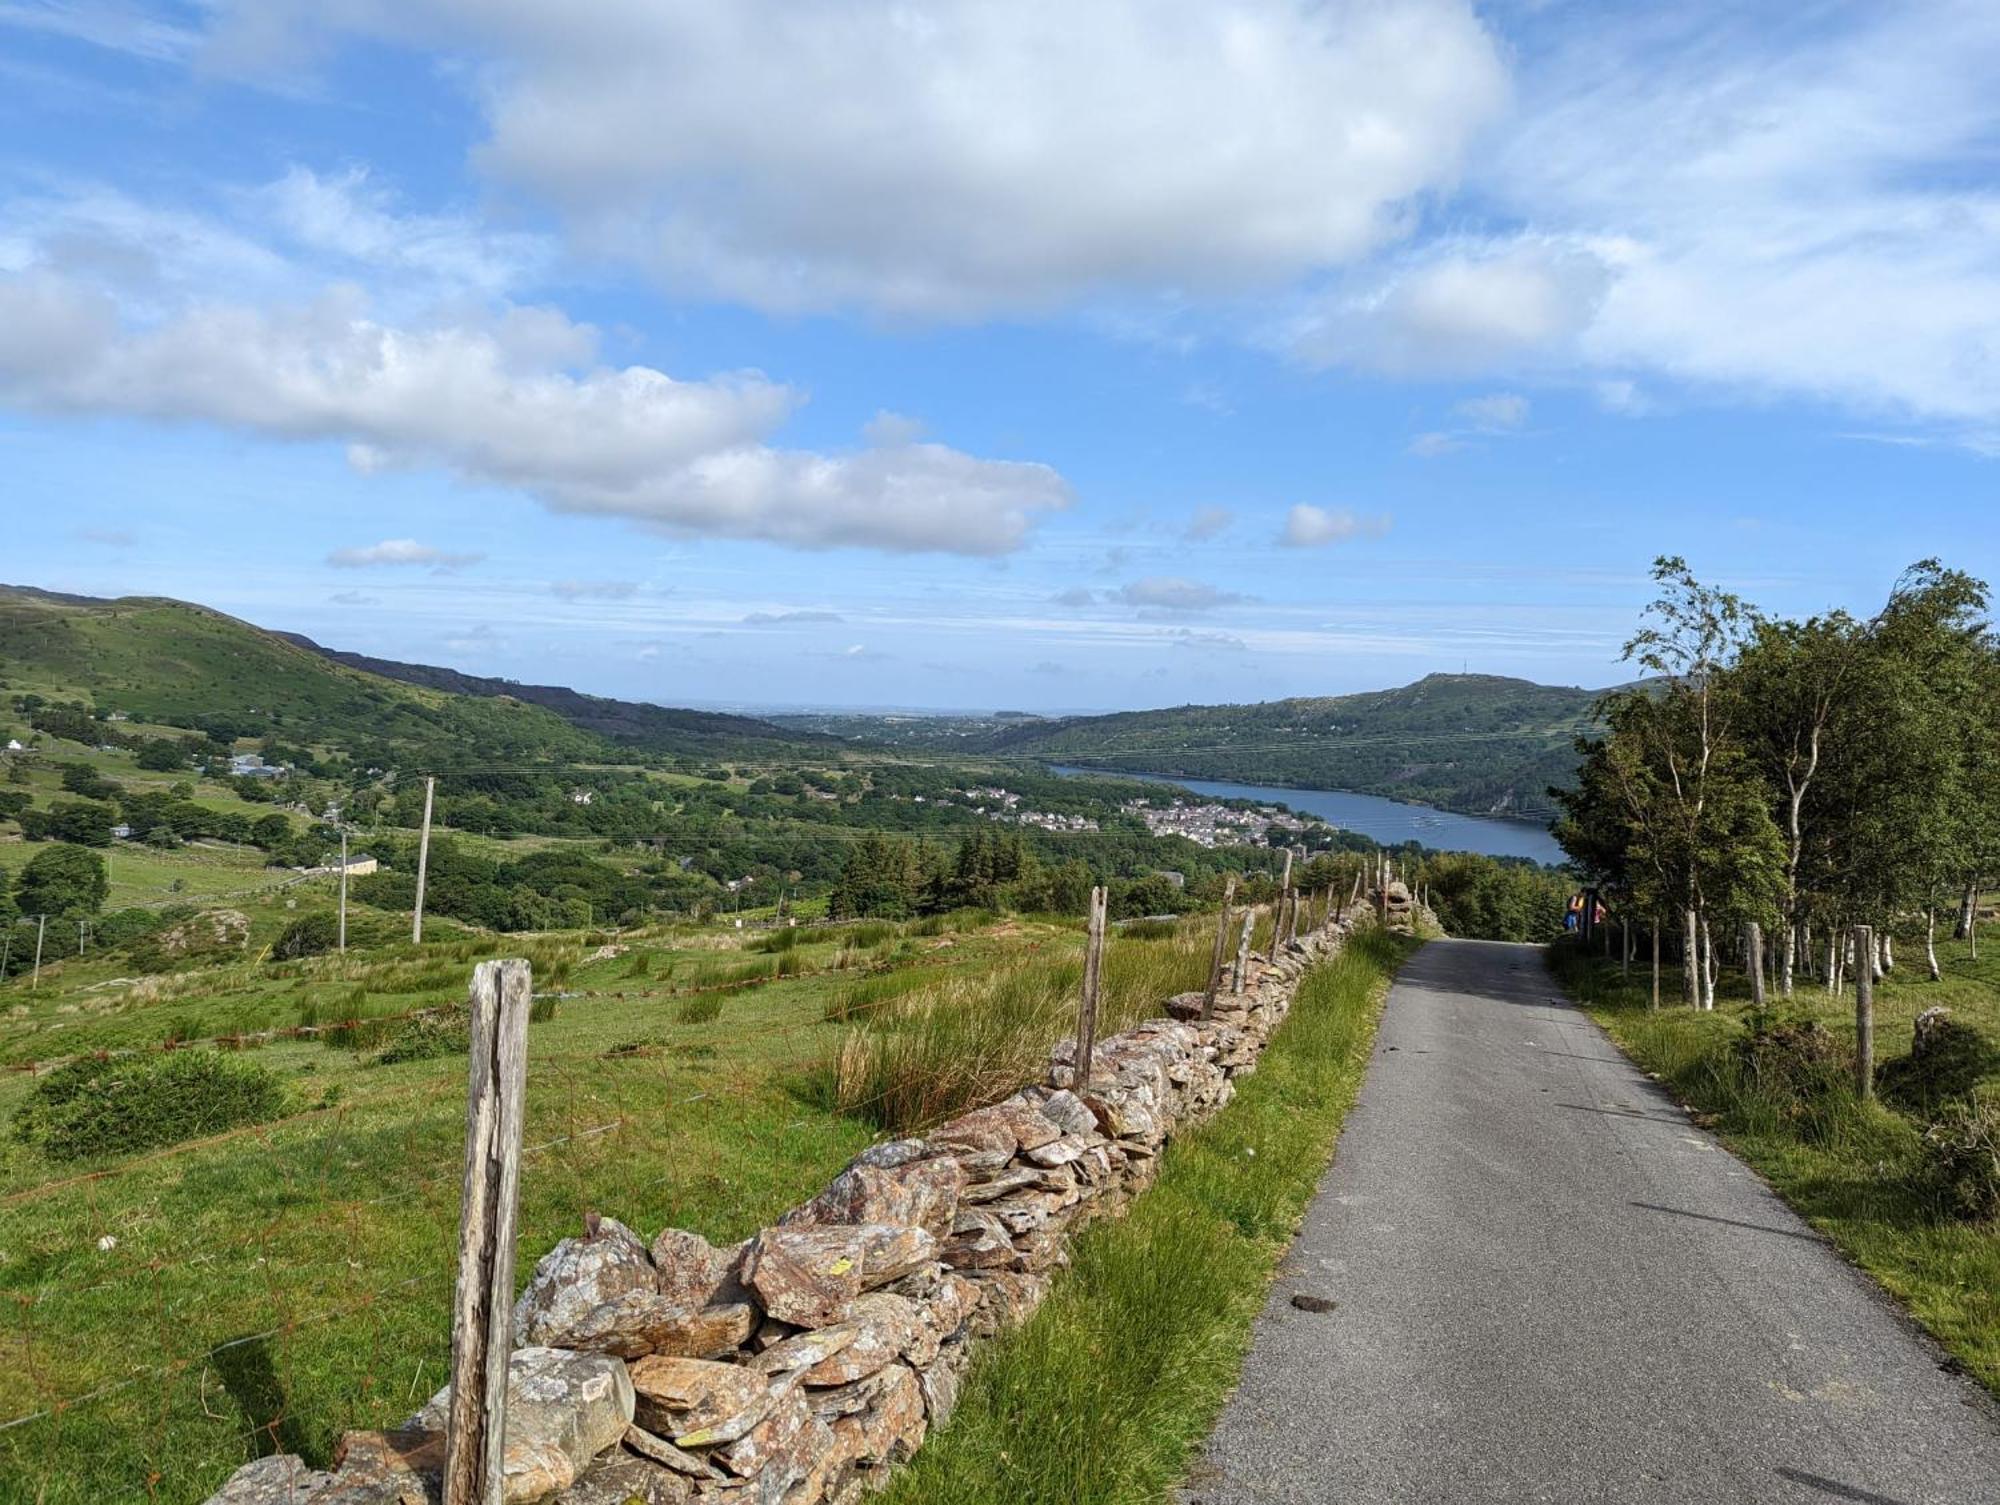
<point x="169" y="662"/>
<point x="1479" y="743"/>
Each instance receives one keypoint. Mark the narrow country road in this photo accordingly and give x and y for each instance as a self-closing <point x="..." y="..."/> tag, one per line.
<point x="1552" y="1287"/>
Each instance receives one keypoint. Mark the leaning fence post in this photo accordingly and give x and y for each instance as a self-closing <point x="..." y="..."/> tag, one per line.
<point x="483" y="1298"/>
<point x="1093" y="979"/>
<point x="1221" y="945"/>
<point x="1754" y="944"/>
<point x="1864" y="1015"/>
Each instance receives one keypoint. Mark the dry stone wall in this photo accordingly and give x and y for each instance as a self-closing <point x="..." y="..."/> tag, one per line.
<point x="800" y="1366"/>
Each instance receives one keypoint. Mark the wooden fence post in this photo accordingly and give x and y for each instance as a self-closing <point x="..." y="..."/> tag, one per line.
<point x="1093" y="981"/>
<point x="1243" y="951"/>
<point x="483" y="1298"/>
<point x="1756" y="949"/>
<point x="41" y="929"/>
<point x="1864" y="1015"/>
<point x="1221" y="946"/>
<point x="423" y="863"/>
<point x="1656" y="961"/>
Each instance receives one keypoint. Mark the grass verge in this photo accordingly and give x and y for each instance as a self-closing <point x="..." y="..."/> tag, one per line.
<point x="1851" y="1169"/>
<point x="1106" y="1394"/>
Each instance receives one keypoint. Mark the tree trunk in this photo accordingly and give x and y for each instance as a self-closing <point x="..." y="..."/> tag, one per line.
<point x="1624" y="946"/>
<point x="1930" y="943"/>
<point x="1754" y="944"/>
<point x="1656" y="961"/>
<point x="1690" y="960"/>
<point x="1788" y="959"/>
<point x="1968" y="906"/>
<point x="1707" y="966"/>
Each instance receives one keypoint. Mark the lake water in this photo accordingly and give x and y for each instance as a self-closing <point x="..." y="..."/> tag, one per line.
<point x="1390" y="822"/>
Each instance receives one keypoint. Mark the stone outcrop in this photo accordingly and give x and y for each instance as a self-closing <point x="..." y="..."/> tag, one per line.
<point x="801" y="1365"/>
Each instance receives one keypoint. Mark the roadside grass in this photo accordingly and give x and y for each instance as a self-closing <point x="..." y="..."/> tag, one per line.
<point x="1105" y="1395"/>
<point x="167" y="1315"/>
<point x="1850" y="1169"/>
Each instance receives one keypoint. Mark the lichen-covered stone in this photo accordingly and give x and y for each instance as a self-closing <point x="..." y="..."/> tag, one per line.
<point x="803" y="1350"/>
<point x="623" y="1479"/>
<point x="578" y="1276"/>
<point x="385" y="1468"/>
<point x="892" y="1428"/>
<point x="644" y="1322"/>
<point x="563" y="1409"/>
<point x="281" y="1479"/>
<point x="884" y="1325"/>
<point x="810" y="1276"/>
<point x="918" y="1194"/>
<point x="689" y="1271"/>
<point x="698" y="1403"/>
<point x="658" y="1450"/>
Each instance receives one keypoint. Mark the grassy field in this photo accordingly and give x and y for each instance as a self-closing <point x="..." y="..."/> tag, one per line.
<point x="1107" y="1392"/>
<point x="1850" y="1169"/>
<point x="165" y="1316"/>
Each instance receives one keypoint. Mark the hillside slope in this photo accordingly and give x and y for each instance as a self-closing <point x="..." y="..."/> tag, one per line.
<point x="1478" y="743"/>
<point x="631" y="722"/>
<point x="171" y="662"/>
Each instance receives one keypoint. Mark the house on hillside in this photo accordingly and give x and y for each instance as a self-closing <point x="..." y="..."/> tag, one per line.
<point x="121" y="833"/>
<point x="253" y="766"/>
<point x="582" y="796"/>
<point x="360" y="865"/>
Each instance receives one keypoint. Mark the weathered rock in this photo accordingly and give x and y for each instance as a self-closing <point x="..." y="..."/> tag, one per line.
<point x="563" y="1409"/>
<point x="689" y="1271"/>
<point x="641" y="1322"/>
<point x="698" y="1403"/>
<point x="1013" y="1297"/>
<point x="891" y="1429"/>
<point x="281" y="1479"/>
<point x="884" y="1326"/>
<point x="894" y="1152"/>
<point x="844" y="1400"/>
<point x="1004" y="1129"/>
<point x="810" y="1276"/>
<point x="1064" y="1109"/>
<point x="385" y="1468"/>
<point x="919" y="1194"/>
<point x="578" y="1276"/>
<point x="638" y="1440"/>
<point x="1186" y="1005"/>
<point x="950" y="1307"/>
<point x="939" y="1383"/>
<point x="774" y="1435"/>
<point x="979" y="1241"/>
<point x="623" y="1479"/>
<point x="805" y="1349"/>
<point x="1007" y="1181"/>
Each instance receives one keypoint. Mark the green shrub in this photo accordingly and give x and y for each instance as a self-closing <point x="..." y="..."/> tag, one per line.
<point x="1148" y="930"/>
<point x="447" y="1032"/>
<point x="1797" y="1068"/>
<point x="868" y="933"/>
<point x="308" y="935"/>
<point x="1947" y="1060"/>
<point x="1960" y="1162"/>
<point x="118" y="1105"/>
<point x="703" y="1010"/>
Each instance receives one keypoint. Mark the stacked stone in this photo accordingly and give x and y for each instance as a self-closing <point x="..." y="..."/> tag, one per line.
<point x="798" y="1366"/>
<point x="1401" y="907"/>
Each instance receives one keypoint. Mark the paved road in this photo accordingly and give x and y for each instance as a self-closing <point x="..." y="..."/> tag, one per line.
<point x="1552" y="1287"/>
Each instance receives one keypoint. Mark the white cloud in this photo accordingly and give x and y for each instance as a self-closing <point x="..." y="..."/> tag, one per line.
<point x="354" y="598"/>
<point x="1309" y="527"/>
<point x="494" y="400"/>
<point x="1207" y="523"/>
<point x="1075" y="595"/>
<point x="594" y="590"/>
<point x="961" y="157"/>
<point x="1208" y="642"/>
<point x="1497" y="412"/>
<point x="1171" y="593"/>
<point x="1429" y="446"/>
<point x="781" y="618"/>
<point x="400" y="551"/>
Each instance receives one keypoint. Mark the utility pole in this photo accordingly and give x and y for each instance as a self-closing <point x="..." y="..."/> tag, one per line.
<point x="41" y="929"/>
<point x="343" y="889"/>
<point x="423" y="862"/>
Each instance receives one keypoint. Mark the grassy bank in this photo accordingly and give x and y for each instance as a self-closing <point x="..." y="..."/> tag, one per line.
<point x="1854" y="1170"/>
<point x="1107" y="1392"/>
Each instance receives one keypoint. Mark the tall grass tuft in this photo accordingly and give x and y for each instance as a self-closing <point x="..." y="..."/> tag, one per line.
<point x="917" y="1055"/>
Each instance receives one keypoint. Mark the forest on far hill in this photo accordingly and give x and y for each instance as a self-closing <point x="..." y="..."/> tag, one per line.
<point x="1482" y="744"/>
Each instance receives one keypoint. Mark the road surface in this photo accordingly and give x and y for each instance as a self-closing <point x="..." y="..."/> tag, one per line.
<point x="1550" y="1286"/>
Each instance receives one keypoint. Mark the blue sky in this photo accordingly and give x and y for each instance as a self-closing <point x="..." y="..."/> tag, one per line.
<point x="994" y="355"/>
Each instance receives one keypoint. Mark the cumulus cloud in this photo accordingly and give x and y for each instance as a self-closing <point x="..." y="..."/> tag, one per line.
<point x="1308" y="527"/>
<point x="496" y="400"/>
<point x="1172" y="593"/>
<point x="961" y="157"/>
<point x="1075" y="595"/>
<point x="1207" y="523"/>
<point x="594" y="590"/>
<point x="1429" y="446"/>
<point x="400" y="551"/>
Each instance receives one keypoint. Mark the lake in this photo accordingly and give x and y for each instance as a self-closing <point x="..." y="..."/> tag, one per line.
<point x="1390" y="822"/>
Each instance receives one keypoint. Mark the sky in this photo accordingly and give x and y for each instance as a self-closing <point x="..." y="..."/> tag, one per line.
<point x="995" y="354"/>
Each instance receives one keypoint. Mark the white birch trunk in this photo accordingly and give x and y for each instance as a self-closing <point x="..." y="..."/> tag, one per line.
<point x="1930" y="944"/>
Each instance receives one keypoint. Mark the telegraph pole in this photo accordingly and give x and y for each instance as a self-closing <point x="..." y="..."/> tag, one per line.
<point x="41" y="929"/>
<point x="423" y="861"/>
<point x="343" y="889"/>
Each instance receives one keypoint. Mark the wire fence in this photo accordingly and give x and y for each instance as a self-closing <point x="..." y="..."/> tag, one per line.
<point x="166" y="1318"/>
